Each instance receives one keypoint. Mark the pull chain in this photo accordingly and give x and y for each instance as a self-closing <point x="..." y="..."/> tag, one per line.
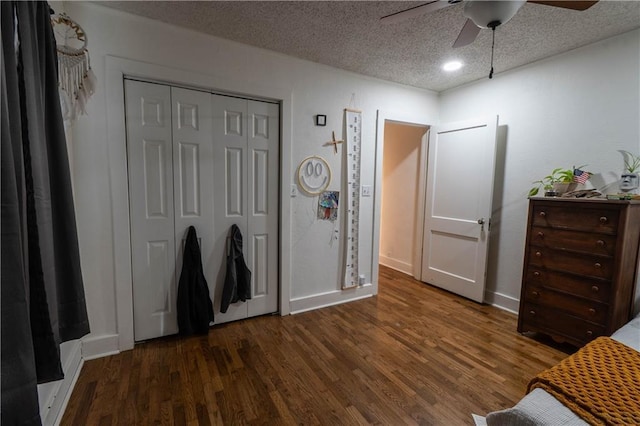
<point x="493" y="42"/>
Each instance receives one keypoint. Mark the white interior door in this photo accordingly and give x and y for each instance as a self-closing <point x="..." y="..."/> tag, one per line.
<point x="261" y="239"/>
<point x="460" y="175"/>
<point x="192" y="173"/>
<point x="230" y="187"/>
<point x="150" y="158"/>
<point x="246" y="164"/>
<point x="205" y="160"/>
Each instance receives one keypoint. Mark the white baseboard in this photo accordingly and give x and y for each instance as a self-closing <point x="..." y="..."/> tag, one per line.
<point x="53" y="397"/>
<point x="67" y="396"/>
<point x="98" y="346"/>
<point x="396" y="264"/>
<point x="502" y="301"/>
<point x="335" y="297"/>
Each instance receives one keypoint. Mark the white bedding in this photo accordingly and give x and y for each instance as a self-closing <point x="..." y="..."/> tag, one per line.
<point x="538" y="408"/>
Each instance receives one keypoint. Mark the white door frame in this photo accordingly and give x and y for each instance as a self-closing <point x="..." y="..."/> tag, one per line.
<point x="116" y="70"/>
<point x="409" y="119"/>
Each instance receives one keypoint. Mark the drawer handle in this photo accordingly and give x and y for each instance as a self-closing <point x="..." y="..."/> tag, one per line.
<point x="536" y="274"/>
<point x="532" y="313"/>
<point x="589" y="333"/>
<point x="592" y="311"/>
<point x="542" y="214"/>
<point x="600" y="243"/>
<point x="597" y="265"/>
<point x="535" y="294"/>
<point x="541" y="234"/>
<point x="603" y="219"/>
<point x="595" y="288"/>
<point x="538" y="254"/>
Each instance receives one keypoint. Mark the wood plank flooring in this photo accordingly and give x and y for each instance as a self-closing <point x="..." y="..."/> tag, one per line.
<point x="413" y="354"/>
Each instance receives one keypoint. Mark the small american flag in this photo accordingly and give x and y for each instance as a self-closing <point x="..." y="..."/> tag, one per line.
<point x="580" y="176"/>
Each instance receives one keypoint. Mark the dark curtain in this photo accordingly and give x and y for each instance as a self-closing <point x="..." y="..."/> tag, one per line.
<point x="42" y="290"/>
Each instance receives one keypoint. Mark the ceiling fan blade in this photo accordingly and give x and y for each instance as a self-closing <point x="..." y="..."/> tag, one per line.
<point x="575" y="5"/>
<point x="417" y="10"/>
<point x="467" y="35"/>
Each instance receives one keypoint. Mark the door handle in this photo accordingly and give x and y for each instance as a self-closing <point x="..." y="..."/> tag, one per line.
<point x="481" y="221"/>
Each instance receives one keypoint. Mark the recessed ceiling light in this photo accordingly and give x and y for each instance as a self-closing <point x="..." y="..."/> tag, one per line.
<point x="452" y="66"/>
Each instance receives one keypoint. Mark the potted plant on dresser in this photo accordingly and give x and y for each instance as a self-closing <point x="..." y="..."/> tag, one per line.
<point x="629" y="179"/>
<point x="557" y="183"/>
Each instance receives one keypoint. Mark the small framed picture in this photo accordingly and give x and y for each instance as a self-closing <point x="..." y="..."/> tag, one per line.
<point x="321" y="120"/>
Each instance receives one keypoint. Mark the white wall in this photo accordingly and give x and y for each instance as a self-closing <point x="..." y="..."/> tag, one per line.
<point x="573" y="109"/>
<point x="401" y="159"/>
<point x="315" y="89"/>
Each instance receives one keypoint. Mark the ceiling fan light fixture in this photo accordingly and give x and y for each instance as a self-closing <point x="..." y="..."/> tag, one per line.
<point x="452" y="66"/>
<point x="485" y="13"/>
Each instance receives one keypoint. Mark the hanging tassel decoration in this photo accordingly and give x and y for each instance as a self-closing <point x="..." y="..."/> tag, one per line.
<point x="76" y="79"/>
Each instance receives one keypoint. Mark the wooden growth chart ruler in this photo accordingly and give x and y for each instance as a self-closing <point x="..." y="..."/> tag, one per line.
<point x="353" y="120"/>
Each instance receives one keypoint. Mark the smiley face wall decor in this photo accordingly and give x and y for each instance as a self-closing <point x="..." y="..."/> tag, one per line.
<point x="314" y="175"/>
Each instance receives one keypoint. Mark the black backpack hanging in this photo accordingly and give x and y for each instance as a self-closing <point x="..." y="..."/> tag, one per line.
<point x="195" y="310"/>
<point x="237" y="281"/>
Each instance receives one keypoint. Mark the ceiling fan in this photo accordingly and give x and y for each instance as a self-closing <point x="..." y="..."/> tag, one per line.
<point x="481" y="13"/>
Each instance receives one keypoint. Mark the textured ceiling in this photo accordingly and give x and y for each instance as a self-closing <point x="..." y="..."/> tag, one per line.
<point x="349" y="35"/>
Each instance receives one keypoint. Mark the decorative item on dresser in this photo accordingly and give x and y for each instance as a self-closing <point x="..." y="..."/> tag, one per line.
<point x="580" y="267"/>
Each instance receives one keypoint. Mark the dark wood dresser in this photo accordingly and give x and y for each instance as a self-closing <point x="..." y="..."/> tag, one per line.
<point x="580" y="267"/>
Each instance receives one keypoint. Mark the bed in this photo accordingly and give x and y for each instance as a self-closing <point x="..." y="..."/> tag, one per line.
<point x="539" y="407"/>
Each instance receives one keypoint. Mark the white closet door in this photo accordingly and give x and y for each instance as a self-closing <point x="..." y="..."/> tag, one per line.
<point x="230" y="188"/>
<point x="246" y="165"/>
<point x="205" y="160"/>
<point x="261" y="238"/>
<point x="149" y="152"/>
<point x="193" y="173"/>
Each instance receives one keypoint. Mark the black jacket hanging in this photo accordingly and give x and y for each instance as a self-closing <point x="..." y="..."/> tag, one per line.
<point x="237" y="281"/>
<point x="195" y="310"/>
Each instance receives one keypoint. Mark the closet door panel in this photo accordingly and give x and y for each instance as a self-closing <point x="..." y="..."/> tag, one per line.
<point x="234" y="181"/>
<point x="150" y="163"/>
<point x="262" y="218"/>
<point x="193" y="173"/>
<point x="230" y="189"/>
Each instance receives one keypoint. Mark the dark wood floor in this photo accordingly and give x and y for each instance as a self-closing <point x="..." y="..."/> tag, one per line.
<point x="411" y="355"/>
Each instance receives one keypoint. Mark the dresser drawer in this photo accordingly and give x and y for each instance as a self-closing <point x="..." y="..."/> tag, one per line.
<point x="578" y="218"/>
<point x="593" y="266"/>
<point x="586" y="309"/>
<point x="573" y="240"/>
<point x="555" y="322"/>
<point x="596" y="290"/>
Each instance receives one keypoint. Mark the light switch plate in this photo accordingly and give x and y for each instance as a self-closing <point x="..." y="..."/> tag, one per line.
<point x="294" y="190"/>
<point x="366" y="190"/>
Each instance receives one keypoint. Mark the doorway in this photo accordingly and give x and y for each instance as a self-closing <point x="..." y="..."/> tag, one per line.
<point x="402" y="200"/>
